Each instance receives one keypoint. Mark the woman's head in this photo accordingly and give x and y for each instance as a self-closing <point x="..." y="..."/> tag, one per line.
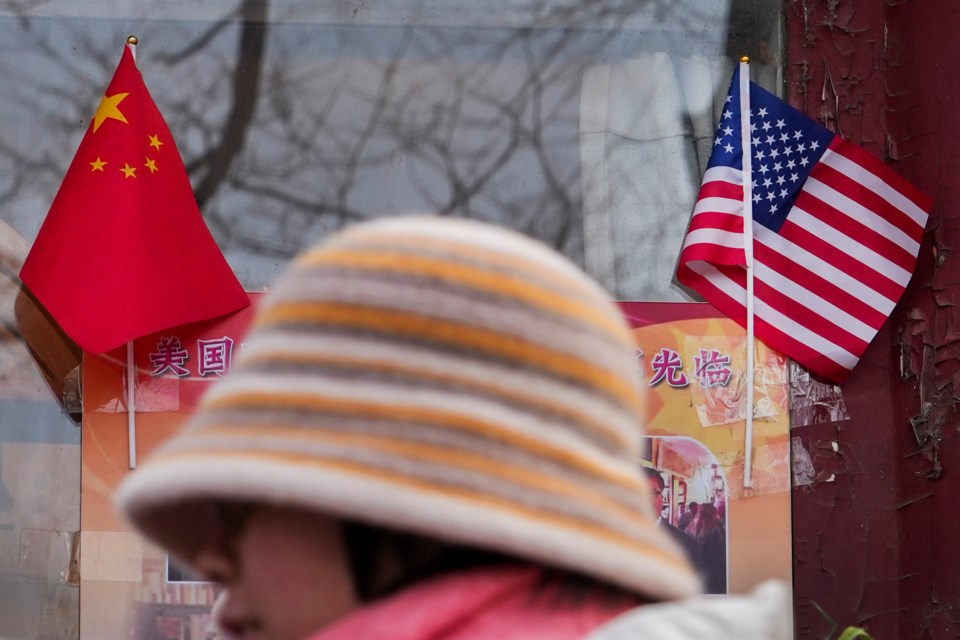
<point x="286" y="571"/>
<point x="707" y="522"/>
<point x="441" y="378"/>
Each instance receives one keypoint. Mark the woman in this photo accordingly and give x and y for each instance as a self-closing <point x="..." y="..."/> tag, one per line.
<point x="430" y="432"/>
<point x="711" y="537"/>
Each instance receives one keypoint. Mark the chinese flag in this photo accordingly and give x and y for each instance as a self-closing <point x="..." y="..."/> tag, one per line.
<point x="124" y="251"/>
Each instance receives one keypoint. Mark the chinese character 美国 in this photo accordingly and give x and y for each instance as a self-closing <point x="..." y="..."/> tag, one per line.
<point x="170" y="355"/>
<point x="215" y="355"/>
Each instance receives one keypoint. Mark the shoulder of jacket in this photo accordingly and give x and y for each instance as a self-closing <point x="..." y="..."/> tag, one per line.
<point x="764" y="614"/>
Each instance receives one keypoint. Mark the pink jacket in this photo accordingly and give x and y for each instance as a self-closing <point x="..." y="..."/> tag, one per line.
<point x="485" y="604"/>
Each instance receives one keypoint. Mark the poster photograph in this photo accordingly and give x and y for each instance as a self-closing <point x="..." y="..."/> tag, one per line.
<point x="692" y="361"/>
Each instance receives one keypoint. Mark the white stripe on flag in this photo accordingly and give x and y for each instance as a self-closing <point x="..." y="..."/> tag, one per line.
<point x="814" y="341"/>
<point x="824" y="269"/>
<point x="851" y="246"/>
<point x="712" y="236"/>
<point x="861" y="214"/>
<point x="718" y="205"/>
<point x="722" y="173"/>
<point x="806" y="298"/>
<point x="869" y="180"/>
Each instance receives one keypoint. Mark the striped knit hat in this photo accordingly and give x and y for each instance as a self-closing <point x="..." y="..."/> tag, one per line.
<point x="436" y="376"/>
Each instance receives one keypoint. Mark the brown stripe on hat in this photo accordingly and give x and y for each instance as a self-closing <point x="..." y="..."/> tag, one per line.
<point x="412" y="364"/>
<point x="600" y="421"/>
<point x="662" y="548"/>
<point x="520" y="436"/>
<point x="510" y="285"/>
<point x="447" y="300"/>
<point x="560" y="462"/>
<point x="458" y="335"/>
<point x="535" y="264"/>
<point x="538" y="486"/>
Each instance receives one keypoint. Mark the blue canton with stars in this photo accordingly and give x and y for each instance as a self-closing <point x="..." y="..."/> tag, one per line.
<point x="786" y="146"/>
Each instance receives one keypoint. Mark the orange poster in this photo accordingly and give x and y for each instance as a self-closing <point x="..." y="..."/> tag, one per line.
<point x="691" y="359"/>
<point x="693" y="362"/>
<point x="129" y="588"/>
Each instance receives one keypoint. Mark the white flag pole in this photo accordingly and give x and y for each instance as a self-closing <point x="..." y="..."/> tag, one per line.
<point x="131" y="406"/>
<point x="131" y="364"/>
<point x="748" y="254"/>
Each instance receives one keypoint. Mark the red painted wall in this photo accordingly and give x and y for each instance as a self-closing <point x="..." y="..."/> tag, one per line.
<point x="878" y="545"/>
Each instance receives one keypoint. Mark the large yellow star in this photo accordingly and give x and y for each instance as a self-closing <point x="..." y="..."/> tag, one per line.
<point x="108" y="109"/>
<point x="128" y="171"/>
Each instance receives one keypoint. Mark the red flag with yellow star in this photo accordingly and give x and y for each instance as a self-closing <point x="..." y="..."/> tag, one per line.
<point x="124" y="251"/>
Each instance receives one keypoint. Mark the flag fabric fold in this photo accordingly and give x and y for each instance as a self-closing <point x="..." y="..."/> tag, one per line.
<point x="124" y="251"/>
<point x="836" y="234"/>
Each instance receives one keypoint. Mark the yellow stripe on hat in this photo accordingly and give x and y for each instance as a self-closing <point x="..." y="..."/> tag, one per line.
<point x="477" y="277"/>
<point x="448" y="457"/>
<point x="289" y="401"/>
<point x="489" y="342"/>
<point x="488" y="386"/>
<point x="391" y="477"/>
<point x="535" y="266"/>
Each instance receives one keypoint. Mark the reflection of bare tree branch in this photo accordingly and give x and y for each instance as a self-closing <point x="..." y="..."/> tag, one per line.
<point x="202" y="41"/>
<point x="246" y="85"/>
<point x="341" y="120"/>
<point x="556" y="186"/>
<point x="456" y="129"/>
<point x="360" y="142"/>
<point x="460" y="111"/>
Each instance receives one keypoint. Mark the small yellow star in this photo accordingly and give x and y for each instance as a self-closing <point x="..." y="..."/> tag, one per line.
<point x="128" y="171"/>
<point x="155" y="142"/>
<point x="109" y="109"/>
<point x="151" y="164"/>
<point x="98" y="165"/>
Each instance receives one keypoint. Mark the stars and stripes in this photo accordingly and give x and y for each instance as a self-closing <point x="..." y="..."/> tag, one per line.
<point x="836" y="234"/>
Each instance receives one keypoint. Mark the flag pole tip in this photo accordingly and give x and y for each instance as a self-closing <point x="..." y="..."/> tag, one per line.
<point x="744" y="59"/>
<point x="134" y="40"/>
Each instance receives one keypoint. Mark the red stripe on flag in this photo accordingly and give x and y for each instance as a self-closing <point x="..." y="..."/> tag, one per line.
<point x="841" y="260"/>
<point x="878" y="168"/>
<point x="810" y="358"/>
<point x="809" y="318"/>
<point x="798" y="313"/>
<point x="848" y="186"/>
<point x="713" y="253"/>
<point x="717" y="220"/>
<point x="868" y="237"/>
<point x="837" y="296"/>
<point x="774" y="337"/>
<point x="731" y="308"/>
<point x="721" y="189"/>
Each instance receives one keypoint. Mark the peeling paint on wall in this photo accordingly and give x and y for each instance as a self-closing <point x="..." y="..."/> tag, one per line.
<point x="875" y="547"/>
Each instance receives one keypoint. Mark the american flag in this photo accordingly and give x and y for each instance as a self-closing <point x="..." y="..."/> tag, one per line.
<point x="836" y="234"/>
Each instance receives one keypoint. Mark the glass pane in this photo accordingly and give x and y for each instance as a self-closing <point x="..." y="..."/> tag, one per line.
<point x="584" y="124"/>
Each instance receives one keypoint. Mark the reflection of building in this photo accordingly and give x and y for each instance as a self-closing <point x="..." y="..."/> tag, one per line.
<point x="691" y="476"/>
<point x="691" y="472"/>
<point x="171" y="610"/>
<point x="717" y="486"/>
<point x="537" y="115"/>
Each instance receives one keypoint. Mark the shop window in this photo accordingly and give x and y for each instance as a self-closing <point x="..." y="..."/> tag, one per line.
<point x="583" y="124"/>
